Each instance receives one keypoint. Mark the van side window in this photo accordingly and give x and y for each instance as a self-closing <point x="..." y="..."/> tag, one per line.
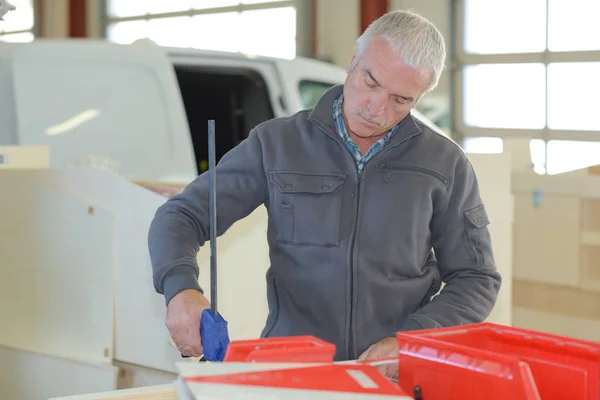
<point x="311" y="91"/>
<point x="236" y="98"/>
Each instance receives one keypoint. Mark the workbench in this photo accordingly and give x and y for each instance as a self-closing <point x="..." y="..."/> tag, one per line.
<point x="155" y="392"/>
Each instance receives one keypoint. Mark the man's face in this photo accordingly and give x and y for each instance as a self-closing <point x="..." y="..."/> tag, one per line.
<point x="380" y="90"/>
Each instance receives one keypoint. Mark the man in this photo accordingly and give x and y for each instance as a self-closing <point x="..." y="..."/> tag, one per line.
<point x="369" y="211"/>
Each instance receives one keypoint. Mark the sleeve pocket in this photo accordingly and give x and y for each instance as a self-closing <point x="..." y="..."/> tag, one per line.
<point x="477" y="237"/>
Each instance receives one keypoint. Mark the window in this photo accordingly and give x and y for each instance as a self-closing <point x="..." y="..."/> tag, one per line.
<point x="483" y="145"/>
<point x="573" y="96"/>
<point x="504" y="95"/>
<point x="527" y="70"/>
<point x="311" y="91"/>
<point x="504" y="26"/>
<point x="560" y="156"/>
<point x="18" y="24"/>
<point x="573" y="25"/>
<point x="224" y="25"/>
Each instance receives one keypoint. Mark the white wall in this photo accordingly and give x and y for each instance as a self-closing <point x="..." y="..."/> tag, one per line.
<point x="338" y="26"/>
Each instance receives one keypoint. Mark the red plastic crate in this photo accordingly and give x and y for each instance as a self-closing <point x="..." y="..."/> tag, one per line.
<point x="281" y="349"/>
<point x="447" y="371"/>
<point x="563" y="368"/>
<point x="323" y="381"/>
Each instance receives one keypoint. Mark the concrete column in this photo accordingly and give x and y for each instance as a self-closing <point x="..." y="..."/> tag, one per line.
<point x="54" y="19"/>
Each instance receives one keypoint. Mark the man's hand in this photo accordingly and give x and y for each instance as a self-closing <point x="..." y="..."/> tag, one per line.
<point x="183" y="321"/>
<point x="385" y="348"/>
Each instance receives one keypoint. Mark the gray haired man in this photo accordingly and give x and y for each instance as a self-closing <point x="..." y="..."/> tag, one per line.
<point x="369" y="211"/>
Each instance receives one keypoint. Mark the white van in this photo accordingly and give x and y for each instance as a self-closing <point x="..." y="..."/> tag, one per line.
<point x="143" y="107"/>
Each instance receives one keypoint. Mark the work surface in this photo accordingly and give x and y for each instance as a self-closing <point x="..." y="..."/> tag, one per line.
<point x="157" y="392"/>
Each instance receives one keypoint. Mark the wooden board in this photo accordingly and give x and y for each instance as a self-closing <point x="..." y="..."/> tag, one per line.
<point x="547" y="239"/>
<point x="20" y="157"/>
<point x="56" y="264"/>
<point x="140" y="335"/>
<point x="158" y="392"/>
<point x="29" y="375"/>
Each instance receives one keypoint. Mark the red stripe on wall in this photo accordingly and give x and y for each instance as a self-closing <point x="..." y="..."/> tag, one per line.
<point x="370" y="10"/>
<point x="77" y="19"/>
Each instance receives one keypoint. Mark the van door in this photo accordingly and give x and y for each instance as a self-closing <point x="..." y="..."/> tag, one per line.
<point x="237" y="92"/>
<point x="113" y="102"/>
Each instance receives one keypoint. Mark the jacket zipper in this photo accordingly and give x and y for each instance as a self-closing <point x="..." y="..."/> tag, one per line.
<point x="389" y="167"/>
<point x="350" y="286"/>
<point x="350" y="313"/>
<point x="352" y="263"/>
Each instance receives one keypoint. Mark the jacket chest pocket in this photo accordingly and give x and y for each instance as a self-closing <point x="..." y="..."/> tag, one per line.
<point x="307" y="208"/>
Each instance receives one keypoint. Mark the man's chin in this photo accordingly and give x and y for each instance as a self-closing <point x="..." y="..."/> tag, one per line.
<point x="364" y="129"/>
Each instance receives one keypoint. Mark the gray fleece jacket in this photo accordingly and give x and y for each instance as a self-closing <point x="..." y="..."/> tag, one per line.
<point x="353" y="258"/>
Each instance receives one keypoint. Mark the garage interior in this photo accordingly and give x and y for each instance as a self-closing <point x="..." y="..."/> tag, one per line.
<point x="81" y="318"/>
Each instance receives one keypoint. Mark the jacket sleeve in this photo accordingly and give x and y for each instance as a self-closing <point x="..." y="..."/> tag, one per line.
<point x="181" y="225"/>
<point x="463" y="248"/>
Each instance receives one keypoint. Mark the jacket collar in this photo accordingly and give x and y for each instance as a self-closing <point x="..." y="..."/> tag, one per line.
<point x="322" y="114"/>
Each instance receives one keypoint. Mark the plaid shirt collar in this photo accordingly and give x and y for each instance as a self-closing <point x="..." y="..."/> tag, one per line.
<point x="340" y="127"/>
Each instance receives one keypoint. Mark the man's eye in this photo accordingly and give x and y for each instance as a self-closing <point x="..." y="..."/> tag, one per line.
<point x="369" y="84"/>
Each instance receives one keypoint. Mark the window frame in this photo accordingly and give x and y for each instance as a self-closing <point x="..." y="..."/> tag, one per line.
<point x="459" y="59"/>
<point x="107" y="19"/>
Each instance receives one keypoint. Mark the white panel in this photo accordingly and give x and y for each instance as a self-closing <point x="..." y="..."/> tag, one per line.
<point x="242" y="263"/>
<point x="494" y="176"/>
<point x="139" y="310"/>
<point x="31" y="376"/>
<point x="243" y="260"/>
<point x="56" y="263"/>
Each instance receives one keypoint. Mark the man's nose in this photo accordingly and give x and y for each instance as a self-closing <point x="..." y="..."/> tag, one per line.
<point x="377" y="104"/>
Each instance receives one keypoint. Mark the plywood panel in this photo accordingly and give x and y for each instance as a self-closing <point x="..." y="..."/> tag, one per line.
<point x="56" y="264"/>
<point x="546" y="239"/>
<point x="557" y="299"/>
<point x="18" y="157"/>
<point x="139" y="311"/>
<point x="159" y="392"/>
<point x="590" y="215"/>
<point x="575" y="327"/>
<point x="590" y="267"/>
<point x="134" y="376"/>
<point x="494" y="176"/>
<point x="33" y="376"/>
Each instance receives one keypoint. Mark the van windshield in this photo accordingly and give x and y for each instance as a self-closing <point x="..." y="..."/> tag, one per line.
<point x="311" y="91"/>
